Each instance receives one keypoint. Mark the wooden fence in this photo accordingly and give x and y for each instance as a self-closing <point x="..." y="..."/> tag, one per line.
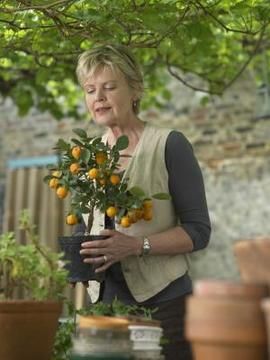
<point x="25" y="189"/>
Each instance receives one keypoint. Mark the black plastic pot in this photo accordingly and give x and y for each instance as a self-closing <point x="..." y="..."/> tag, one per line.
<point x="78" y="270"/>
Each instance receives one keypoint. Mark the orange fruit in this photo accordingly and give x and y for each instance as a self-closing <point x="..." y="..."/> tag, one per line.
<point x="93" y="173"/>
<point x="76" y="152"/>
<point x="139" y="213"/>
<point x="115" y="179"/>
<point x="147" y="204"/>
<point x="62" y="192"/>
<point x="111" y="211"/>
<point x="74" y="168"/>
<point x="132" y="215"/>
<point x="125" y="222"/>
<point x="147" y="214"/>
<point x="53" y="183"/>
<point x="101" y="157"/>
<point x="71" y="219"/>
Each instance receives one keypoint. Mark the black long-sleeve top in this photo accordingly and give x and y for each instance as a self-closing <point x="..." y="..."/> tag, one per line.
<point x="186" y="188"/>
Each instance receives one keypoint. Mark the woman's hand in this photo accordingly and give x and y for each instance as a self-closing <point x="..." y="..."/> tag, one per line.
<point x="104" y="253"/>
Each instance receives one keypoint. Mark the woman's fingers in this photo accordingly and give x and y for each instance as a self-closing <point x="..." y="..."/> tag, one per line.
<point x="117" y="247"/>
<point x="95" y="244"/>
<point x="105" y="265"/>
<point x="97" y="260"/>
<point x="103" y="262"/>
<point x="93" y="252"/>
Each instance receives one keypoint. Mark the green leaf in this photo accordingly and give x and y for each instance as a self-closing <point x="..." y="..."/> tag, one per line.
<point x="161" y="196"/>
<point x="84" y="209"/>
<point x="77" y="142"/>
<point x="137" y="191"/>
<point x="86" y="155"/>
<point x="80" y="132"/>
<point x="62" y="145"/>
<point x="204" y="100"/>
<point x="96" y="141"/>
<point x="46" y="178"/>
<point x="122" y="143"/>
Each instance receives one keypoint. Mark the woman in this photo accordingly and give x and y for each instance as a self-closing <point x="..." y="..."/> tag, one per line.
<point x="146" y="264"/>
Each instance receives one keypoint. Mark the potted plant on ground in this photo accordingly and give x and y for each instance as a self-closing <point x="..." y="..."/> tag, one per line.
<point x="28" y="326"/>
<point x="88" y="172"/>
<point x="143" y="330"/>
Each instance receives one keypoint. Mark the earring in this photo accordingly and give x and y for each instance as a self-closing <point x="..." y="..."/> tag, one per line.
<point x="135" y="104"/>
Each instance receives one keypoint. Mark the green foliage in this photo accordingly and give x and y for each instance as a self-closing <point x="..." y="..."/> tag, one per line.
<point x="63" y="340"/>
<point x="117" y="308"/>
<point x="40" y="42"/>
<point x="161" y="196"/>
<point x="33" y="268"/>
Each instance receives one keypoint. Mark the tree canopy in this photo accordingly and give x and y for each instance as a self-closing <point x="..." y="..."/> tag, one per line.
<point x="40" y="41"/>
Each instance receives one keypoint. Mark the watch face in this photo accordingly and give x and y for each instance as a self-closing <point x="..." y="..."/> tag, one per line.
<point x="146" y="246"/>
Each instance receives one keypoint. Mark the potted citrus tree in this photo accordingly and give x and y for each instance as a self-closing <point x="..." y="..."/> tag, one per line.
<point x="88" y="172"/>
<point x="28" y="326"/>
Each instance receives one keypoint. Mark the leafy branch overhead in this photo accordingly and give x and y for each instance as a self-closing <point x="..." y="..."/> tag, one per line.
<point x="40" y="41"/>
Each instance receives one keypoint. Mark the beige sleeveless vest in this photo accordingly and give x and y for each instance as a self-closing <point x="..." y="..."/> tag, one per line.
<point x="146" y="276"/>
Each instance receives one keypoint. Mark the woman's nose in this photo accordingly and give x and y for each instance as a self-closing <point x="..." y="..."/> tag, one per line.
<point x="99" y="95"/>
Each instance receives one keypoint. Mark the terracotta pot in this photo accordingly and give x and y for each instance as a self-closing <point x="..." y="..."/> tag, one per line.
<point x="102" y="337"/>
<point x="224" y="321"/>
<point x="140" y="320"/>
<point x="78" y="271"/>
<point x="266" y="309"/>
<point x="27" y="329"/>
<point x="230" y="289"/>
<point x="253" y="258"/>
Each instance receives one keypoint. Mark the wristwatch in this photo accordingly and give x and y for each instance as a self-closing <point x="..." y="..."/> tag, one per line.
<point x="146" y="247"/>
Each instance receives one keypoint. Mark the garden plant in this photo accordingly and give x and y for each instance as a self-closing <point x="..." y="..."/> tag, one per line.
<point x="88" y="172"/>
<point x="32" y="268"/>
<point x="32" y="283"/>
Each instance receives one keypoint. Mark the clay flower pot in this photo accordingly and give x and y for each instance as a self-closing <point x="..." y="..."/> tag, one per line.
<point x="27" y="329"/>
<point x="229" y="289"/>
<point x="224" y="321"/>
<point x="101" y="337"/>
<point x="266" y="309"/>
<point x="253" y="258"/>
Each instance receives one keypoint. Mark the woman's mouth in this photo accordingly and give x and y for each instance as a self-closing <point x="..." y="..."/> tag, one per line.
<point x="102" y="110"/>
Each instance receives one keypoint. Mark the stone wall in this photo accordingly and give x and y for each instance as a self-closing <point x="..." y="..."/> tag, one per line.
<point x="232" y="146"/>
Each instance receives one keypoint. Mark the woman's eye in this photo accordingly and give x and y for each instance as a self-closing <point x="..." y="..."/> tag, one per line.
<point x="90" y="91"/>
<point x="110" y="87"/>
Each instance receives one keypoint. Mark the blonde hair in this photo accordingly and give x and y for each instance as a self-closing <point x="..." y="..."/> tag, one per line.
<point x="116" y="57"/>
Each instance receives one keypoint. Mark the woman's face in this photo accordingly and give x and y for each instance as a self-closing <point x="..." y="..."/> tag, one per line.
<point x="109" y="98"/>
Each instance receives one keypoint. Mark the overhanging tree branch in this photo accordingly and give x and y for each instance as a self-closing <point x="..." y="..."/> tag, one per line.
<point x="183" y="81"/>
<point x="218" y="21"/>
<point x="225" y="85"/>
<point x="46" y="37"/>
<point x="247" y="62"/>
